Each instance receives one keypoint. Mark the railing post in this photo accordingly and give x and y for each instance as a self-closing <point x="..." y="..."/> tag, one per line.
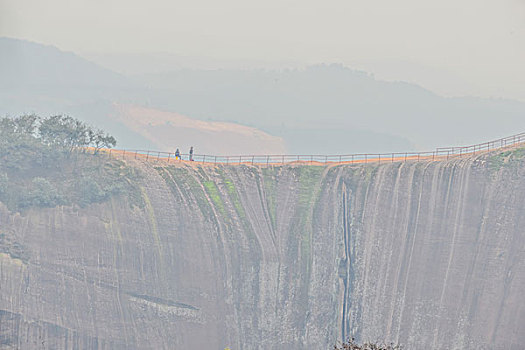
<point x="253" y="157"/>
<point x="169" y="155"/>
<point x="379" y="158"/>
<point x="283" y="160"/>
<point x="203" y="159"/>
<point x="240" y="160"/>
<point x="267" y="160"/>
<point x="123" y="154"/>
<point x="158" y="156"/>
<point x="325" y="159"/>
<point x="136" y="154"/>
<point x="147" y="155"/>
<point x="392" y="157"/>
<point x="366" y="158"/>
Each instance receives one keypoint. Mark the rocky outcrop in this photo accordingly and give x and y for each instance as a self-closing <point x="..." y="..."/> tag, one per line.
<point x="427" y="254"/>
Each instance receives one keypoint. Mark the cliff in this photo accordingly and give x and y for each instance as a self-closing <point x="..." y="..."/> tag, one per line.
<point x="427" y="254"/>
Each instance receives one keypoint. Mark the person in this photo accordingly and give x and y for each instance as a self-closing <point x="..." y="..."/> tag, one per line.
<point x="191" y="153"/>
<point x="177" y="154"/>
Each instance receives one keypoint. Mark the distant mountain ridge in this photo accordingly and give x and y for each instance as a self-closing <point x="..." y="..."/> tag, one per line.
<point x="25" y="63"/>
<point x="44" y="80"/>
<point x="328" y="109"/>
<point x="337" y="101"/>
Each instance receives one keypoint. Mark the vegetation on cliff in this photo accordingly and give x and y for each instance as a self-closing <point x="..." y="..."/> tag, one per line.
<point x="507" y="158"/>
<point x="44" y="163"/>
<point x="353" y="345"/>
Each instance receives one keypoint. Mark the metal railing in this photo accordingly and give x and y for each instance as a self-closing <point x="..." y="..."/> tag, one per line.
<point x="439" y="154"/>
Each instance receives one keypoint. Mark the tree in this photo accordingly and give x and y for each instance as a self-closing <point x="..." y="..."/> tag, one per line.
<point x="43" y="193"/>
<point x="26" y="125"/>
<point x="63" y="132"/>
<point x="98" y="139"/>
<point x="18" y="141"/>
<point x="29" y="138"/>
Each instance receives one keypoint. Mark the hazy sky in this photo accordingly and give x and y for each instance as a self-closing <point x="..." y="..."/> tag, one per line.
<point x="454" y="47"/>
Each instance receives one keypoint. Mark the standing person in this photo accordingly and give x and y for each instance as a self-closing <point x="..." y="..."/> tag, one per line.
<point x="177" y="154"/>
<point x="191" y="153"/>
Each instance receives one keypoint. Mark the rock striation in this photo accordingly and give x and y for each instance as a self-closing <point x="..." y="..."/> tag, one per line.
<point x="427" y="254"/>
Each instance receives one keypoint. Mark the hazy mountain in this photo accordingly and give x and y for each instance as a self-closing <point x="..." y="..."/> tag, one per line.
<point x="169" y="131"/>
<point x="334" y="106"/>
<point x="44" y="80"/>
<point x="134" y="63"/>
<point x="27" y="64"/>
<point x="319" y="109"/>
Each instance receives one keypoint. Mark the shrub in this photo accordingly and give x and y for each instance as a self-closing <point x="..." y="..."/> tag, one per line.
<point x="90" y="192"/>
<point x="353" y="345"/>
<point x="42" y="194"/>
<point x="38" y="170"/>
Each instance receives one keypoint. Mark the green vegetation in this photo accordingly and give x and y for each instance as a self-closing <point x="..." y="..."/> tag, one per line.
<point x="28" y="140"/>
<point x="309" y="178"/>
<point x="189" y="187"/>
<point x="42" y="193"/>
<point x="506" y="158"/>
<point x="353" y="345"/>
<point x="309" y="188"/>
<point x="231" y="191"/>
<point x="234" y="197"/>
<point x="213" y="192"/>
<point x="270" y="187"/>
<point x="44" y="163"/>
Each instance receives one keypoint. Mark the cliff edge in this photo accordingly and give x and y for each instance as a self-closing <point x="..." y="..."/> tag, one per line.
<point x="426" y="254"/>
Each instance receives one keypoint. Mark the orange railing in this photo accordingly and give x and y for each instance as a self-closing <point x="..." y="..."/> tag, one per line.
<point x="438" y="154"/>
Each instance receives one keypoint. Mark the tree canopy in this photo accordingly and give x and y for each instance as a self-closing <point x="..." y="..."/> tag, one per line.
<point x="59" y="133"/>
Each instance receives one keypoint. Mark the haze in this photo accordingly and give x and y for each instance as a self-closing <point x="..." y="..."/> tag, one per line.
<point x="454" y="48"/>
<point x="266" y="174"/>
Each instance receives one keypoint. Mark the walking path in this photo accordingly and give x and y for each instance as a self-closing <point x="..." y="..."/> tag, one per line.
<point x="267" y="160"/>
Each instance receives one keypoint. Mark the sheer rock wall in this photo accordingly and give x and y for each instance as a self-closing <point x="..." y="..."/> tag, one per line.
<point x="427" y="254"/>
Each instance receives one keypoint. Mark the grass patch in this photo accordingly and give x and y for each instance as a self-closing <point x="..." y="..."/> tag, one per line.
<point x="213" y="193"/>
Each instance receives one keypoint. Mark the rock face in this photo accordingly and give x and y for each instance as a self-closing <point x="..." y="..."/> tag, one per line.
<point x="427" y="254"/>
